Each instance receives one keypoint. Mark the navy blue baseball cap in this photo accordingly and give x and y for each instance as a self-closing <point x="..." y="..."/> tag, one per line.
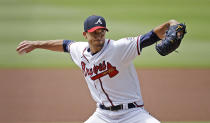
<point x="94" y="22"/>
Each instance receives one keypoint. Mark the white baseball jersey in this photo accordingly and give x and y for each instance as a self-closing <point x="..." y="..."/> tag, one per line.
<point x="110" y="73"/>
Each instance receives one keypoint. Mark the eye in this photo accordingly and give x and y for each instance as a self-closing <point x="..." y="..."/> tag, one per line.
<point x="103" y="30"/>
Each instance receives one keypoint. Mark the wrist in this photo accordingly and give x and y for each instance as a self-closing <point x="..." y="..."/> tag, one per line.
<point x="37" y="44"/>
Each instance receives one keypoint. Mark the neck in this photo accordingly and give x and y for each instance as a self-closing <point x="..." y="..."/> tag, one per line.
<point x="94" y="50"/>
<point x="95" y="47"/>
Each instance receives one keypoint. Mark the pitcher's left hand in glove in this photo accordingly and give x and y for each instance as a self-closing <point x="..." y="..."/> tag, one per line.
<point x="172" y="40"/>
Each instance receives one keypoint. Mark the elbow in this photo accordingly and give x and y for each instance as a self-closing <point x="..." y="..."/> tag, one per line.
<point x="173" y="22"/>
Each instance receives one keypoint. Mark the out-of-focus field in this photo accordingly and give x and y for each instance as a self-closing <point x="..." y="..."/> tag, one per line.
<point x="161" y="122"/>
<point x="63" y="19"/>
<point x="62" y="95"/>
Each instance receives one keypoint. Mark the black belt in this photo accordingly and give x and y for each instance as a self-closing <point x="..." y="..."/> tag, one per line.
<point x="119" y="107"/>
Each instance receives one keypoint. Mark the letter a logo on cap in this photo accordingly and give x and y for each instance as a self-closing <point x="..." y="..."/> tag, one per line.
<point x="99" y="21"/>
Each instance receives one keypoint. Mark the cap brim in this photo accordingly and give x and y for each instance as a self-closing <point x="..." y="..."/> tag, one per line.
<point x="97" y="27"/>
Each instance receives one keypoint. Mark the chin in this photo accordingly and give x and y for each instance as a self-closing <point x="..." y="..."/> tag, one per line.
<point x="99" y="47"/>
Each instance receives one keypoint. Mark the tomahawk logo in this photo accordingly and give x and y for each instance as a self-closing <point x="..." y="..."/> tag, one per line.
<point x="110" y="70"/>
<point x="99" y="21"/>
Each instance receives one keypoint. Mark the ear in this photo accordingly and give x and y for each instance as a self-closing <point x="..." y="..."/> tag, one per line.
<point x="85" y="34"/>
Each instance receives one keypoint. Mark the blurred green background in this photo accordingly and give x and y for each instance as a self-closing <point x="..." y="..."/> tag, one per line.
<point x="63" y="19"/>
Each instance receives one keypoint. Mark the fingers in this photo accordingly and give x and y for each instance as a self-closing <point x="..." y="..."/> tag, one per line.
<point x="180" y="34"/>
<point x="23" y="50"/>
<point x="24" y="47"/>
<point x="23" y="42"/>
<point x="21" y="46"/>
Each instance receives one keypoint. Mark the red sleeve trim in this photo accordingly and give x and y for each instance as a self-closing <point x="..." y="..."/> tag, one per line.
<point x="138" y="45"/>
<point x="108" y="41"/>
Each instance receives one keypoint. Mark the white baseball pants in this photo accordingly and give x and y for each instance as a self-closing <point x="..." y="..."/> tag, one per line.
<point x="133" y="115"/>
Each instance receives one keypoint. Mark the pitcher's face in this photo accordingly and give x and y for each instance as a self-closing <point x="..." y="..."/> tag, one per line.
<point x="96" y="39"/>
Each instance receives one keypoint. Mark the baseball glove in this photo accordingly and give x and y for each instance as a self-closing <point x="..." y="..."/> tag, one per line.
<point x="172" y="40"/>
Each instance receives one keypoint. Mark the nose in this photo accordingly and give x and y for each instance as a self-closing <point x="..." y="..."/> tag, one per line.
<point x="98" y="36"/>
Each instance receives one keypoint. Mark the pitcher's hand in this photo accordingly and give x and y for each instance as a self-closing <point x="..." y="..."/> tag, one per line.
<point x="26" y="46"/>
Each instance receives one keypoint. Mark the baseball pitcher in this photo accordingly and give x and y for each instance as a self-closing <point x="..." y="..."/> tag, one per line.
<point x="108" y="69"/>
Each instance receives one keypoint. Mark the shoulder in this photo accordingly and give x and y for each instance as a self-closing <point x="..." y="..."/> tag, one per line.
<point x="80" y="43"/>
<point x="127" y="40"/>
<point x="78" y="46"/>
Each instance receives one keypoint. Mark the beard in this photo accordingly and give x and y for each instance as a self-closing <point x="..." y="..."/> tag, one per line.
<point x="100" y="45"/>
